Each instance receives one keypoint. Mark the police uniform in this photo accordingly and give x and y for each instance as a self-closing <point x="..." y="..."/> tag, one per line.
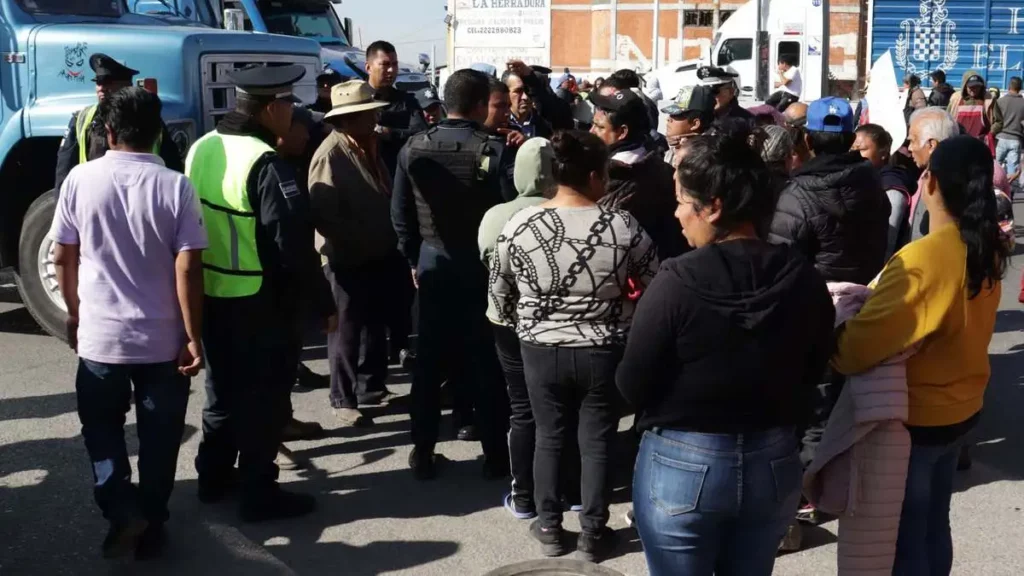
<point x="447" y="177"/>
<point x="259" y="272"/>
<point x="85" y="137"/>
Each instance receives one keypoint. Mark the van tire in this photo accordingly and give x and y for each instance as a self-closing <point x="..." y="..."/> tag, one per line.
<point x="34" y="231"/>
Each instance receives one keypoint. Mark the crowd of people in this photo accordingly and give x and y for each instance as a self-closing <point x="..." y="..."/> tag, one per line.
<point x="785" y="301"/>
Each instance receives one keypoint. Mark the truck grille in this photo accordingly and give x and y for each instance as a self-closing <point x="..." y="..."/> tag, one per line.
<point x="219" y="92"/>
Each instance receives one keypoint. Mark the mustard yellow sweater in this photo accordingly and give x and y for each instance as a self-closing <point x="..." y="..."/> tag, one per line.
<point x="921" y="298"/>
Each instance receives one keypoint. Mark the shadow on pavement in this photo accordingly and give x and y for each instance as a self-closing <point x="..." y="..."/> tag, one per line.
<point x="1009" y="321"/>
<point x="50" y="524"/>
<point x="998" y="440"/>
<point x="19" y="321"/>
<point x="48" y="406"/>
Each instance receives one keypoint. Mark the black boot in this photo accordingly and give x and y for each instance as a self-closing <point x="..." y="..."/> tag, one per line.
<point x="276" y="504"/>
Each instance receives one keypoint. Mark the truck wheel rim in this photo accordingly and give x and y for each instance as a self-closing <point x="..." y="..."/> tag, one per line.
<point x="48" y="273"/>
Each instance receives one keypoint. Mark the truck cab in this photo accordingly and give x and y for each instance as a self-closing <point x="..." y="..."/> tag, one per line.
<point x="45" y="78"/>
<point x="314" y="19"/>
<point x="794" y="27"/>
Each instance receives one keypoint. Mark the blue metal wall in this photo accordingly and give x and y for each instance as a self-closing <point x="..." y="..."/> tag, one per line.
<point x="952" y="35"/>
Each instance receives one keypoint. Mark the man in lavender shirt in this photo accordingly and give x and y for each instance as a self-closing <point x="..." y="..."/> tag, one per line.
<point x="130" y="236"/>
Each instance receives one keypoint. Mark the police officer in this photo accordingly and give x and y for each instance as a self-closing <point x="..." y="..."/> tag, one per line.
<point x="85" y="139"/>
<point x="259" y="270"/>
<point x="447" y="177"/>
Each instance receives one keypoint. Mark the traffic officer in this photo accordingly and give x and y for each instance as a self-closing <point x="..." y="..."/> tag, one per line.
<point x="260" y="270"/>
<point x="87" y="127"/>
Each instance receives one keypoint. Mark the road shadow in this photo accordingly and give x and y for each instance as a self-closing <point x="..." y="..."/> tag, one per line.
<point x="49" y="523"/>
<point x="998" y="440"/>
<point x="1009" y="321"/>
<point x="49" y="406"/>
<point x="19" y="321"/>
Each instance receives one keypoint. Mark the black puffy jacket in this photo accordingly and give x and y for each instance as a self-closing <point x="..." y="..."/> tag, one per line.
<point x="835" y="212"/>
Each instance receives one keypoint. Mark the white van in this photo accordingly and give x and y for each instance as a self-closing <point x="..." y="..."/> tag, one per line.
<point x="794" y="27"/>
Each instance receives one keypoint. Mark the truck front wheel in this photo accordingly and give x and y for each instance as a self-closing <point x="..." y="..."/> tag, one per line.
<point x="37" y="275"/>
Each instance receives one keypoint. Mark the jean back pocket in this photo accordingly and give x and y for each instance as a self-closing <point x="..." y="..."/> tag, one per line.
<point x="675" y="485"/>
<point x="788" y="474"/>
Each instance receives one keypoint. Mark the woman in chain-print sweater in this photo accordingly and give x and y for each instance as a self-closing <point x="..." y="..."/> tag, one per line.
<point x="562" y="274"/>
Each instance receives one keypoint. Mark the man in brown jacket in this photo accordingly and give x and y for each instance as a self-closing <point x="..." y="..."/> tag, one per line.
<point x="350" y="192"/>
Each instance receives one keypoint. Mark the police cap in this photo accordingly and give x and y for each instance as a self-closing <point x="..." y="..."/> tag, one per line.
<point x="268" y="82"/>
<point x="106" y="68"/>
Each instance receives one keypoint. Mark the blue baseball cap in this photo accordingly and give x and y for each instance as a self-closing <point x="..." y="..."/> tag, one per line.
<point x="830" y="114"/>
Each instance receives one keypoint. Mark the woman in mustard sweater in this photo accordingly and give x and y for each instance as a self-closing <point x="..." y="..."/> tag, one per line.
<point x="940" y="292"/>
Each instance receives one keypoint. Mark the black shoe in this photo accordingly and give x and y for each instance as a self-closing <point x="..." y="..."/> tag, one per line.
<point x="375" y="398"/>
<point x="151" y="544"/>
<point x="123" y="537"/>
<point x="552" y="540"/>
<point x="277" y="504"/>
<point x="213" y="491"/>
<point x="309" y="379"/>
<point x="596" y="547"/>
<point x="467" y="434"/>
<point x="423" y="464"/>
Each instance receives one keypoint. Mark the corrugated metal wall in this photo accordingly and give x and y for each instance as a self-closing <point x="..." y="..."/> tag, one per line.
<point x="952" y="35"/>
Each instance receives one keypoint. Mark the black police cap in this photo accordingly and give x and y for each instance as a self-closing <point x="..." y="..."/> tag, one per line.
<point x="106" y="68"/>
<point x="268" y="82"/>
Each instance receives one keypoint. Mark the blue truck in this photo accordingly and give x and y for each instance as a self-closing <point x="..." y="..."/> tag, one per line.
<point x="950" y="35"/>
<point x="314" y="19"/>
<point x="45" y="77"/>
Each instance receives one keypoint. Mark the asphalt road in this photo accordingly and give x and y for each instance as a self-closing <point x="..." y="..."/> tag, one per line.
<point x="373" y="518"/>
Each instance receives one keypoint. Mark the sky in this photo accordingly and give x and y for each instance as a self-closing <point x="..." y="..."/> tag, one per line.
<point x="411" y="25"/>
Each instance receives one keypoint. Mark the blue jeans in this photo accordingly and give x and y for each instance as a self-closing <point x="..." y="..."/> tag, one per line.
<point x="715" y="503"/>
<point x="104" y="397"/>
<point x="1008" y="154"/>
<point x="925" y="544"/>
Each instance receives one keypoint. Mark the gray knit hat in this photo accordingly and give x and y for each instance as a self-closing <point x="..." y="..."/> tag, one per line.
<point x="777" y="145"/>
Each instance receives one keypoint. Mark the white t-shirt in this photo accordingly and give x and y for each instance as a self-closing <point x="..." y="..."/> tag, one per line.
<point x="796" y="84"/>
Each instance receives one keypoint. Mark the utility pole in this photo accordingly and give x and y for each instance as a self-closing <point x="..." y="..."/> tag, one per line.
<point x="762" y="50"/>
<point x="655" y="51"/>
<point x="826" y="41"/>
<point x="716" y="16"/>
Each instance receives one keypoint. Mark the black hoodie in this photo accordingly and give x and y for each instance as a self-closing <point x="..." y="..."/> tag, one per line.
<point x="730" y="338"/>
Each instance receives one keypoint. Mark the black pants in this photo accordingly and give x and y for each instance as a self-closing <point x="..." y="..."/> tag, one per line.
<point x="455" y="340"/>
<point x="523" y="431"/>
<point x="781" y="100"/>
<point x="563" y="383"/>
<point x="361" y="299"/>
<point x="104" y="394"/>
<point x="250" y="368"/>
<point x="400" y="295"/>
<point x="823" y="401"/>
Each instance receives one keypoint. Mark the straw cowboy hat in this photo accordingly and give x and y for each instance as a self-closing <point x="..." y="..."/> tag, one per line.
<point x="351" y="97"/>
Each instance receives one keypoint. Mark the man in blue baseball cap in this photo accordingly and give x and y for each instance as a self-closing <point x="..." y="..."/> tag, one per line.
<point x="834" y="211"/>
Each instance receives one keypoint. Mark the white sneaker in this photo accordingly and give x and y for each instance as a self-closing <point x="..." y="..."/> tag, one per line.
<point x="352" y="417"/>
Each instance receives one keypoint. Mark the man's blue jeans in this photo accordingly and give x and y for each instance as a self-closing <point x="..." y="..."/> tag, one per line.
<point x="104" y="397"/>
<point x="715" y="503"/>
<point x="925" y="544"/>
<point x="1008" y="154"/>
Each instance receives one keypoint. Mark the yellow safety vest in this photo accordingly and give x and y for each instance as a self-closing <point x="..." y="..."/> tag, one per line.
<point x="218" y="166"/>
<point x="82" y="124"/>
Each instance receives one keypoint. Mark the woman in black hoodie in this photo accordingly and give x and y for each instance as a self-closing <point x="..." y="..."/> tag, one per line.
<point x="726" y="347"/>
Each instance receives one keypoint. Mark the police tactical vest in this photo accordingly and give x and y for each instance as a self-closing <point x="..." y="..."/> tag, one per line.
<point x="82" y="124"/>
<point x="450" y="186"/>
<point x="219" y="168"/>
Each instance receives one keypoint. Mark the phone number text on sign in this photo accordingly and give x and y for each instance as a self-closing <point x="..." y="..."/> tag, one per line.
<point x="502" y="23"/>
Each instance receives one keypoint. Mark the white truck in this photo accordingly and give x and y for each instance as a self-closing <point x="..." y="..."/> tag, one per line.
<point x="792" y="27"/>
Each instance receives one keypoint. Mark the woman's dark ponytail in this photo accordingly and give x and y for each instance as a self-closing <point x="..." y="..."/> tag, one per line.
<point x="963" y="168"/>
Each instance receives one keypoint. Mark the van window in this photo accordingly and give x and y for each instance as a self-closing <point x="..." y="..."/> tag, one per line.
<point x="735" y="49"/>
<point x="790" y="48"/>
